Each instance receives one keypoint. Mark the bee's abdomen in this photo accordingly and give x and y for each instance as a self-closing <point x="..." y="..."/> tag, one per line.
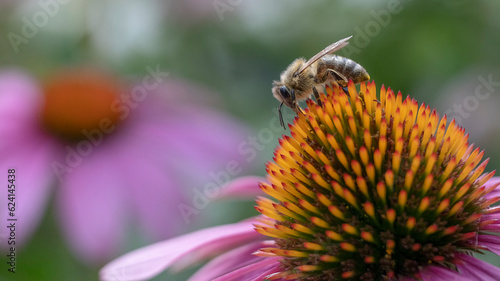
<point x="347" y="67"/>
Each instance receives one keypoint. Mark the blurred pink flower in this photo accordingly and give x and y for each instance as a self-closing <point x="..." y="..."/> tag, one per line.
<point x="129" y="167"/>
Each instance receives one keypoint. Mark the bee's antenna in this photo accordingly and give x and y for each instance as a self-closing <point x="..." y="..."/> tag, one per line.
<point x="282" y="123"/>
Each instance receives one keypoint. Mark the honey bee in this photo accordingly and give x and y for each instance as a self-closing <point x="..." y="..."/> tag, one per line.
<point x="301" y="77"/>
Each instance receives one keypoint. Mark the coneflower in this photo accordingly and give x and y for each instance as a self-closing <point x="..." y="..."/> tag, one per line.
<point x="111" y="152"/>
<point x="373" y="188"/>
<point x="367" y="187"/>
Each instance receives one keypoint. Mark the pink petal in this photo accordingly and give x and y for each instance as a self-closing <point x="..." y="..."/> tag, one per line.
<point x="27" y="149"/>
<point x="211" y="132"/>
<point x="476" y="269"/>
<point x="256" y="271"/>
<point x="20" y="97"/>
<point x="147" y="262"/>
<point x="91" y="202"/>
<point x="148" y="176"/>
<point x="435" y="273"/>
<point x="492" y="242"/>
<point x="496" y="191"/>
<point x="228" y="262"/>
<point x="20" y="103"/>
<point x="492" y="181"/>
<point x="33" y="177"/>
<point x="270" y="270"/>
<point x="196" y="136"/>
<point x="493" y="227"/>
<point x="175" y="146"/>
<point x="244" y="187"/>
<point x="157" y="171"/>
<point x="203" y="160"/>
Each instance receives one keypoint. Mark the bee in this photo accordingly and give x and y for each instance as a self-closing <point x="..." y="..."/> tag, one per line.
<point x="300" y="78"/>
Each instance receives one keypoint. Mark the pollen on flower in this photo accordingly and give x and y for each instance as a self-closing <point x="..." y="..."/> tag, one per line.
<point x="373" y="187"/>
<point x="79" y="101"/>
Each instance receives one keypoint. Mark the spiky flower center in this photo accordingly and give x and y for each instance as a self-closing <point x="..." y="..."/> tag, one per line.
<point x="79" y="101"/>
<point x="372" y="188"/>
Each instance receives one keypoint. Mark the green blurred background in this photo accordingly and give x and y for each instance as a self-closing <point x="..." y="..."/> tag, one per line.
<point x="439" y="52"/>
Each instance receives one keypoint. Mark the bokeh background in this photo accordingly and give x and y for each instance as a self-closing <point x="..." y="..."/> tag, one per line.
<point x="444" y="53"/>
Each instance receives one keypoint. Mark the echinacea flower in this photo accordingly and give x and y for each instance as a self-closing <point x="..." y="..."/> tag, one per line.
<point x="367" y="187"/>
<point x="117" y="156"/>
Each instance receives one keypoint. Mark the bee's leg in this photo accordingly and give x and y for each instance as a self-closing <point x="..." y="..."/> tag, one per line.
<point x="298" y="110"/>
<point x="296" y="107"/>
<point x="282" y="123"/>
<point x="342" y="81"/>
<point x="316" y="96"/>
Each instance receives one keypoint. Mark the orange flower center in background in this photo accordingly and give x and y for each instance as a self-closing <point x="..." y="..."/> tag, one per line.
<point x="79" y="101"/>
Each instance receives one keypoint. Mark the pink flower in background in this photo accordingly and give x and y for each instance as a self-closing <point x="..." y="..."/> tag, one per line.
<point x="113" y="157"/>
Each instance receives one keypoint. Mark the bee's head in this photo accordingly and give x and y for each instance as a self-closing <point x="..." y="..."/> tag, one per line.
<point x="285" y="95"/>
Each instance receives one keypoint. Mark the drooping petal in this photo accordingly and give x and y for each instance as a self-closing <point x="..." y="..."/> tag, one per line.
<point x="436" y="273"/>
<point x="492" y="242"/>
<point x="244" y="187"/>
<point x="148" y="176"/>
<point x="476" y="269"/>
<point x="493" y="227"/>
<point x="91" y="202"/>
<point x="253" y="272"/>
<point x="228" y="262"/>
<point x="149" y="261"/>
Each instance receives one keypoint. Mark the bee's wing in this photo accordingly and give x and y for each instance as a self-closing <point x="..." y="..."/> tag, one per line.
<point x="328" y="50"/>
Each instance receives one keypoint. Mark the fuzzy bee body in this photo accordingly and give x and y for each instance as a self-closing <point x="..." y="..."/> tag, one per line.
<point x="299" y="80"/>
